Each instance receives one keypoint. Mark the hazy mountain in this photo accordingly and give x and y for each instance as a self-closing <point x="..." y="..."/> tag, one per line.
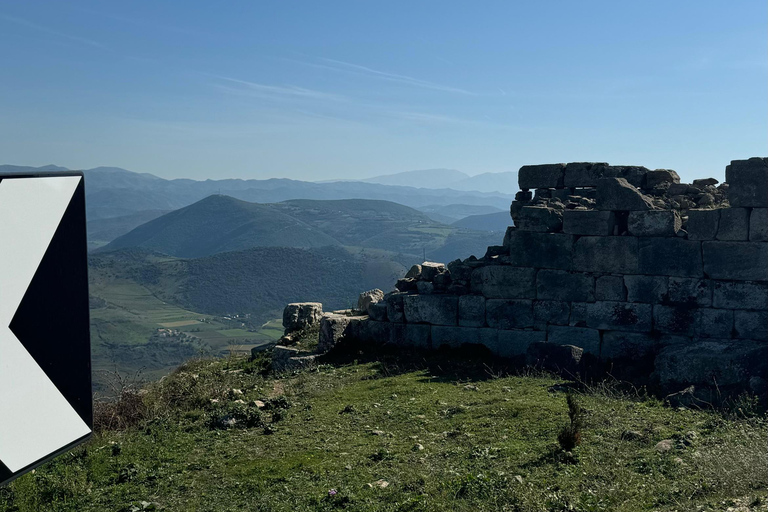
<point x="102" y="231"/>
<point x="497" y="221"/>
<point x="497" y="182"/>
<point x="426" y="178"/>
<point x="220" y="224"/>
<point x="448" y="214"/>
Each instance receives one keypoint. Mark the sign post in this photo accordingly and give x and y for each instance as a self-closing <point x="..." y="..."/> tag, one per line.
<point x="46" y="403"/>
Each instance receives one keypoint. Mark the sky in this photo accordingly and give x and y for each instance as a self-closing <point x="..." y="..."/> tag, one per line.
<point x="324" y="90"/>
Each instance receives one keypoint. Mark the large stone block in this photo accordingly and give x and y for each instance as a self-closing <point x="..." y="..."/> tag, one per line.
<point x="372" y="331"/>
<point x="670" y="257"/>
<point x="333" y="329"/>
<point x="589" y="222"/>
<point x="734" y="224"/>
<point x="612" y="254"/>
<point x="654" y="223"/>
<point x="431" y="309"/>
<point x="564" y="286"/>
<point x="395" y="307"/>
<point x="583" y="337"/>
<point x="686" y="290"/>
<point x="627" y="345"/>
<point x="563" y="359"/>
<point x="660" y="176"/>
<point x="649" y="289"/>
<point x="751" y="325"/>
<point x="619" y="316"/>
<point x="502" y="281"/>
<point x="455" y="337"/>
<point x="719" y="363"/>
<point x="634" y="174"/>
<point x="300" y="315"/>
<point x="740" y="261"/>
<point x="748" y="182"/>
<point x="541" y="176"/>
<point x="378" y="311"/>
<point x="703" y="224"/>
<point x="550" y="312"/>
<point x="539" y="218"/>
<point x="610" y="288"/>
<point x="617" y="194"/>
<point x="758" y="225"/>
<point x="411" y="335"/>
<point x="714" y="323"/>
<point x="365" y="299"/>
<point x="679" y="319"/>
<point x="740" y="295"/>
<point x="472" y="311"/>
<point x="584" y="174"/>
<point x="511" y="343"/>
<point x="509" y="314"/>
<point x="539" y="250"/>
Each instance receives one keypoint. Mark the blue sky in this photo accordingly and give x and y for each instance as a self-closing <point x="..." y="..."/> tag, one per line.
<point x="318" y="90"/>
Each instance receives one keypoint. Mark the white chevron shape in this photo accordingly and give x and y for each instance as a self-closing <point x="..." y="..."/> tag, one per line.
<point x="35" y="418"/>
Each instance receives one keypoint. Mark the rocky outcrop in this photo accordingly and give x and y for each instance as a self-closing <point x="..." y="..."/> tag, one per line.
<point x="301" y="315"/>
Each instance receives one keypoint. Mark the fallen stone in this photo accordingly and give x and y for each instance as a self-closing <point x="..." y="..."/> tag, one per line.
<point x="617" y="194"/>
<point x="654" y="223"/>
<point x="705" y="182"/>
<point x="370" y="297"/>
<point x="659" y="176"/>
<point x="429" y="269"/>
<point x="664" y="446"/>
<point x="300" y="315"/>
<point x="414" y="272"/>
<point x="406" y="284"/>
<point x="564" y="359"/>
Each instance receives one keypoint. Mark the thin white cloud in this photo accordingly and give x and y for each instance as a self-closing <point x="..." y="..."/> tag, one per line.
<point x="272" y="91"/>
<point x="25" y="23"/>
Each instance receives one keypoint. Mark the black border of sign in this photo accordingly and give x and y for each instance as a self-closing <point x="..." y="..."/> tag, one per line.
<point x="39" y="462"/>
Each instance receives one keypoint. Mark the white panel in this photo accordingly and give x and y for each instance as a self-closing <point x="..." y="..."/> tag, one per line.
<point x="35" y="419"/>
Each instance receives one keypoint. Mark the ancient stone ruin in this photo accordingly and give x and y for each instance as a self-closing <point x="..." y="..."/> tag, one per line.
<point x="622" y="268"/>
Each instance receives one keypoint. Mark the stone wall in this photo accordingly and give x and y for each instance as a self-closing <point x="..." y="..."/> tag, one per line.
<point x="656" y="280"/>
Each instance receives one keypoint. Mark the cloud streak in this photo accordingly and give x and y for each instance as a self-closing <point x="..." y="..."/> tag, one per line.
<point x="25" y="23"/>
<point x="273" y="91"/>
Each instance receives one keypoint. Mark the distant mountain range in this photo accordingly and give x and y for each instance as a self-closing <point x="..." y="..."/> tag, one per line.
<point x="220" y="223"/>
<point x="490" y="182"/>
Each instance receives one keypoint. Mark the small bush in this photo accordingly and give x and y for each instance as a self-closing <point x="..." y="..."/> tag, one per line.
<point x="570" y="435"/>
<point x="126" y="411"/>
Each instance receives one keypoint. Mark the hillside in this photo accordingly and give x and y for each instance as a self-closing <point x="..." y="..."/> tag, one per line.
<point x="219" y="224"/>
<point x="497" y="221"/>
<point x="422" y="432"/>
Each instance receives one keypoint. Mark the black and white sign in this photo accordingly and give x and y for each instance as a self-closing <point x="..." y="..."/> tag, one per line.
<point x="45" y="359"/>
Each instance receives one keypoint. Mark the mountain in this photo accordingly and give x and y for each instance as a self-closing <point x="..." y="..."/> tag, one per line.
<point x="448" y="214"/>
<point x="497" y="182"/>
<point x="426" y="178"/>
<point x="220" y="224"/>
<point x="102" y="231"/>
<point x="497" y="221"/>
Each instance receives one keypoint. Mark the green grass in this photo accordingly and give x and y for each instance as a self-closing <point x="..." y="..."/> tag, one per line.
<point x="450" y="433"/>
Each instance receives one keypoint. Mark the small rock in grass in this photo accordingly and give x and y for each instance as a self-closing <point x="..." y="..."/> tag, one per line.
<point x="258" y="403"/>
<point x="519" y="478"/>
<point x="381" y="484"/>
<point x="418" y="447"/>
<point x="631" y="435"/>
<point x="664" y="446"/>
<point x="471" y="387"/>
<point x="378" y="432"/>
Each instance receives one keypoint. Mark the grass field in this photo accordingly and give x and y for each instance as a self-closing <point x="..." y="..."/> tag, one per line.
<point x="446" y="433"/>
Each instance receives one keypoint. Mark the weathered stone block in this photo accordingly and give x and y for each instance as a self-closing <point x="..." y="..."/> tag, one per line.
<point x="740" y="295"/>
<point x="564" y="359"/>
<point x="411" y="335"/>
<point x="370" y="297"/>
<point x="634" y="174"/>
<point x="680" y="319"/>
<point x="703" y="224"/>
<point x="734" y="224"/>
<point x="455" y="337"/>
<point x="378" y="311"/>
<point x="539" y="218"/>
<point x="584" y="174"/>
<point x="748" y="182"/>
<point x="713" y="323"/>
<point x="509" y="314"/>
<point x="541" y="176"/>
<point x="511" y="343"/>
<point x="716" y="362"/>
<point x="551" y="312"/>
<point x="751" y="325"/>
<point x="627" y="345"/>
<point x="300" y="315"/>
<point x="659" y="176"/>
<point x="373" y="331"/>
<point x="670" y="257"/>
<point x="501" y="281"/>
<point x="617" y="194"/>
<point x="472" y="311"/>
<point x="654" y="223"/>
<point x="649" y="289"/>
<point x="758" y="225"/>
<point x="612" y="254"/>
<point x="619" y="316"/>
<point x="610" y="288"/>
<point x="685" y="290"/>
<point x="741" y="261"/>
<point x="564" y="286"/>
<point x="540" y="250"/>
<point x="431" y="309"/>
<point x="425" y="288"/>
<point x="583" y="337"/>
<point x="395" y="307"/>
<point x="333" y="329"/>
<point x="429" y="269"/>
<point x="589" y="222"/>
